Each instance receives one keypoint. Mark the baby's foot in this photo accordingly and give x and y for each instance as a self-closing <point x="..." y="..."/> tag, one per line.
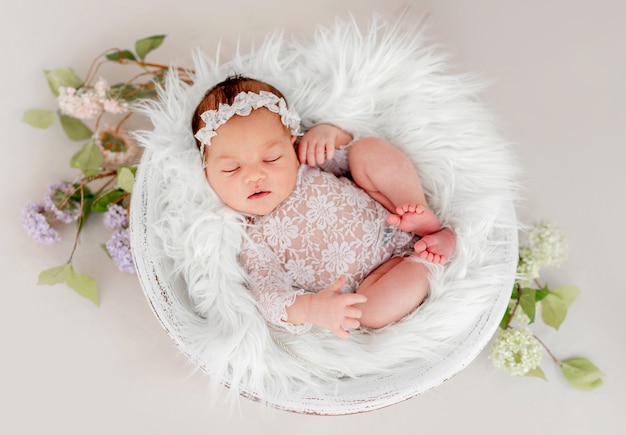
<point x="414" y="218"/>
<point x="436" y="247"/>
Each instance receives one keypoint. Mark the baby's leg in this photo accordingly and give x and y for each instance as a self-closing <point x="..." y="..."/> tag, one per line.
<point x="389" y="177"/>
<point x="393" y="290"/>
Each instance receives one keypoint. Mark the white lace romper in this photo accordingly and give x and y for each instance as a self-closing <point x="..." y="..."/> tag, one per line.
<point x="326" y="228"/>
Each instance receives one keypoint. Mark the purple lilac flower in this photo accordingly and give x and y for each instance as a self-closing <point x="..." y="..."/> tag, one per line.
<point x="118" y="247"/>
<point x="57" y="202"/>
<point x="35" y="221"/>
<point x="116" y="217"/>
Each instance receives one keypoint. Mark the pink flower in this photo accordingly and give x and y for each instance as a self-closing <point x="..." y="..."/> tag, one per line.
<point x="87" y="103"/>
<point x="78" y="103"/>
<point x="117" y="147"/>
<point x="101" y="87"/>
<point x="114" y="106"/>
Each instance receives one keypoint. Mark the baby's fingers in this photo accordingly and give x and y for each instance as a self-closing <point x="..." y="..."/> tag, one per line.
<point x="353" y="313"/>
<point x="303" y="147"/>
<point x="315" y="154"/>
<point x="341" y="333"/>
<point x="354" y="298"/>
<point x="324" y="151"/>
<point x="320" y="153"/>
<point x="350" y="324"/>
<point x="330" y="151"/>
<point x="338" y="284"/>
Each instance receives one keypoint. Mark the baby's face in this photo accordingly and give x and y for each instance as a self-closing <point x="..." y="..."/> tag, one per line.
<point x="251" y="163"/>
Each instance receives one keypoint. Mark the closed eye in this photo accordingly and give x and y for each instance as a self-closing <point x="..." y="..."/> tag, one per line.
<point x="229" y="171"/>
<point x="272" y="160"/>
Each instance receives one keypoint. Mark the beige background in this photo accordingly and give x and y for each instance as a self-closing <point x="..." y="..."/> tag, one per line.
<point x="557" y="71"/>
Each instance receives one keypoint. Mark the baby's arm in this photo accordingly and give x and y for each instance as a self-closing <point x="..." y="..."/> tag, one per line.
<point x="329" y="309"/>
<point x="295" y="310"/>
<point x="320" y="142"/>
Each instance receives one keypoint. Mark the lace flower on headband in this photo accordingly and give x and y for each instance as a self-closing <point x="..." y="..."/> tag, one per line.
<point x="242" y="105"/>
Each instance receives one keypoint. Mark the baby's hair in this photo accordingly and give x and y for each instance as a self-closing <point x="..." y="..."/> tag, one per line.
<point x="225" y="93"/>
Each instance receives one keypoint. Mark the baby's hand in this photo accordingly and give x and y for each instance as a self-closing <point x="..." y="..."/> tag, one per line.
<point x="319" y="144"/>
<point x="335" y="311"/>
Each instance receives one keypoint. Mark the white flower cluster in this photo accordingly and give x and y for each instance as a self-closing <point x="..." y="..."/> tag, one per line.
<point x="546" y="246"/>
<point x="516" y="351"/>
<point x="87" y="103"/>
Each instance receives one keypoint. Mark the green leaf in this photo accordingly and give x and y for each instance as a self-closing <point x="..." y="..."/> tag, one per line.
<point x="505" y="318"/>
<point x="38" y="118"/>
<point x="124" y="54"/>
<point x="541" y="293"/>
<point x="74" y="128"/>
<point x="101" y="204"/>
<point x="88" y="159"/>
<point x="581" y="373"/>
<point x="55" y="275"/>
<point x="553" y="311"/>
<point x="527" y="302"/>
<point x="129" y="92"/>
<point x="567" y="294"/>
<point x="146" y="45"/>
<point x="125" y="179"/>
<point x="537" y="372"/>
<point x="554" y="305"/>
<point x="63" y="77"/>
<point x="124" y="91"/>
<point x="83" y="284"/>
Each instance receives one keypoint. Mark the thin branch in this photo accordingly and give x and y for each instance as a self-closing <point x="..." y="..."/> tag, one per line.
<point x="555" y="359"/>
<point x="83" y="183"/>
<point x="80" y="222"/>
<point x="104" y="186"/>
<point x="122" y="121"/>
<point x="93" y="68"/>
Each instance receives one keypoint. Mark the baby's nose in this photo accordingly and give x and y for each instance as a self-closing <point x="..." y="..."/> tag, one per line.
<point x="255" y="175"/>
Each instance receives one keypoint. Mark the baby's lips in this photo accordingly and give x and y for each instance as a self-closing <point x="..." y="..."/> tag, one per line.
<point x="259" y="194"/>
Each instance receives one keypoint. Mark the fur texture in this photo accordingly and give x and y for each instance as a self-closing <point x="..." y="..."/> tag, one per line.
<point x="386" y="81"/>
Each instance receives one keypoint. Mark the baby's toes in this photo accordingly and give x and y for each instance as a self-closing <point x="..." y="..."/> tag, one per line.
<point x="420" y="246"/>
<point x="401" y="210"/>
<point x="394" y="219"/>
<point x="439" y="259"/>
<point x="418" y="209"/>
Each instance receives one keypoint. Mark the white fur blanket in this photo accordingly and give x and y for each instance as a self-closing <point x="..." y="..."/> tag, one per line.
<point x="388" y="81"/>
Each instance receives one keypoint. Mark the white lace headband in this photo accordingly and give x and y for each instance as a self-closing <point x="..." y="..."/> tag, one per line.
<point x="242" y="105"/>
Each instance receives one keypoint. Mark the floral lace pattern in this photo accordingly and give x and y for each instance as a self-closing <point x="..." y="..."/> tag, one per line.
<point x="243" y="104"/>
<point x="328" y="227"/>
